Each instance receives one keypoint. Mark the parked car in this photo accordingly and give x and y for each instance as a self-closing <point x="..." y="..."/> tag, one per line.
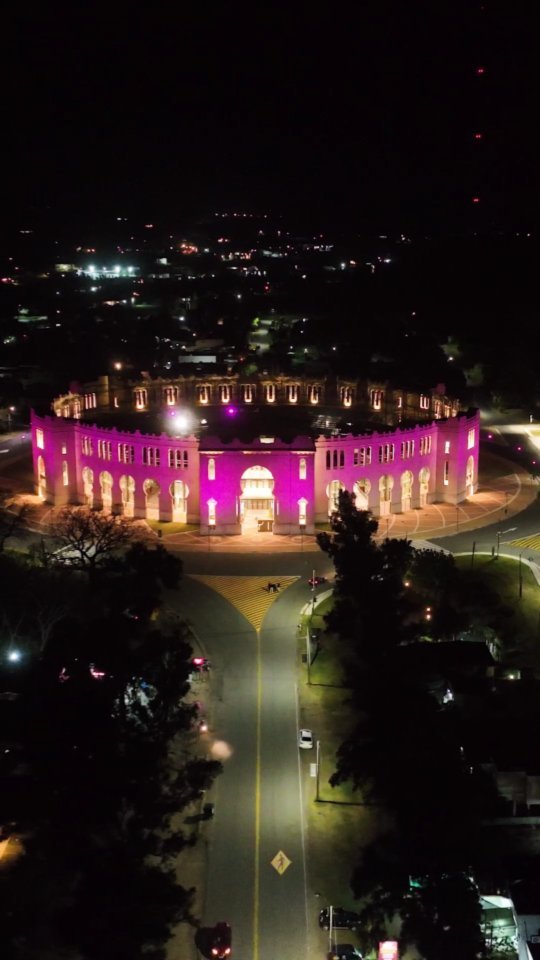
<point x="221" y="941"/>
<point x="341" y="919"/>
<point x="305" y="739"/>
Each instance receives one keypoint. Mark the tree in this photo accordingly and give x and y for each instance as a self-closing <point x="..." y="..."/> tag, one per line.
<point x="370" y="599"/>
<point x="87" y="539"/>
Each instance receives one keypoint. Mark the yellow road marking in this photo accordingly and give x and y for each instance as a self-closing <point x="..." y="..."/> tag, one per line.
<point x="532" y="542"/>
<point x="256" y="889"/>
<point x="247" y="594"/>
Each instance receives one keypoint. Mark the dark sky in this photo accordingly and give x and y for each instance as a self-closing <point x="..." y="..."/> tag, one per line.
<point x="362" y="112"/>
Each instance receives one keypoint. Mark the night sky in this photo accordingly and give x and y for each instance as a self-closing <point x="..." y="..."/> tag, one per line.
<point x="360" y="113"/>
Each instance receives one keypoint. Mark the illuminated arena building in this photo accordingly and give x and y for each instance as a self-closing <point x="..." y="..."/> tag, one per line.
<point x="233" y="454"/>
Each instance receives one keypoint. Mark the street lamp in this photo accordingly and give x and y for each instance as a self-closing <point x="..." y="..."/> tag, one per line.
<point x="11" y="410"/>
<point x="317" y="768"/>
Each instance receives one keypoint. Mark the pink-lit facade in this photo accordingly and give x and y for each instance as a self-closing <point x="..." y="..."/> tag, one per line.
<point x="267" y="483"/>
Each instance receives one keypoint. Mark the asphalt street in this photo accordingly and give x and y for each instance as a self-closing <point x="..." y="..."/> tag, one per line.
<point x="259" y="800"/>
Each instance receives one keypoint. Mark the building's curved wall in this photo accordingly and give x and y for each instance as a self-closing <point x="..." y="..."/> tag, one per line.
<point x="170" y="479"/>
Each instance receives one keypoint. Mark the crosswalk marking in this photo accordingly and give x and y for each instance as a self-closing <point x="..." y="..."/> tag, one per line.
<point x="247" y="594"/>
<point x="532" y="542"/>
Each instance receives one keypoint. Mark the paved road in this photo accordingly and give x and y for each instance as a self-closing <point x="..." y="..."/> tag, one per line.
<point x="259" y="800"/>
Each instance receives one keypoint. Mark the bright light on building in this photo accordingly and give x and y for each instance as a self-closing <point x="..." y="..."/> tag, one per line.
<point x="14" y="656"/>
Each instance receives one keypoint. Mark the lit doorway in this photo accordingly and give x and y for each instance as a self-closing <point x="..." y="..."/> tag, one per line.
<point x="257" y="500"/>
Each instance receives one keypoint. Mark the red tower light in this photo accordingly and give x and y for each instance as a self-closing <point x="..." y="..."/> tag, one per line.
<point x="478" y="136"/>
<point x="480" y="71"/>
<point x="476" y="199"/>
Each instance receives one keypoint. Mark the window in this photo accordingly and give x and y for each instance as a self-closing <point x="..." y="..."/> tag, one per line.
<point x="116" y="403"/>
<point x="446" y="472"/>
<point x="90" y="401"/>
<point x="292" y="392"/>
<point x="356" y="457"/>
<point x="104" y="449"/>
<point x="302" y="504"/>
<point x="364" y="456"/>
<point x="425" y="445"/>
<point x="447" y="446"/>
<point x="346" y="396"/>
<point x="328" y="460"/>
<point x="334" y="459"/>
<point x="386" y="453"/>
<point x="247" y="393"/>
<point x="175" y="459"/>
<point x="376" y="398"/>
<point x="342" y="458"/>
<point x="170" y="395"/>
<point x="203" y="393"/>
<point x="471" y="437"/>
<point x="212" y="513"/>
<point x="302" y="470"/>
<point x="314" y="394"/>
<point x="270" y="392"/>
<point x="424" y="402"/>
<point x="77" y="409"/>
<point x="87" y="446"/>
<point x="126" y="453"/>
<point x="40" y="440"/>
<point x="151" y="456"/>
<point x="141" y="398"/>
<point x="65" y="473"/>
<point x="64" y="449"/>
<point x="399" y="403"/>
<point x="185" y="458"/>
<point x="225" y="393"/>
<point x="407" y="449"/>
<point x="211" y="469"/>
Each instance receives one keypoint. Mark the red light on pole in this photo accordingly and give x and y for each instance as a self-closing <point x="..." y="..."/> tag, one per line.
<point x="476" y="199"/>
<point x="478" y="136"/>
<point x="480" y="71"/>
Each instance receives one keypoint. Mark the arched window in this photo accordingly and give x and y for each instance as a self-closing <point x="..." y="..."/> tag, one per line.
<point x="302" y="470"/>
<point x="342" y="458"/>
<point x="328" y="460"/>
<point x="302" y="505"/>
<point x="65" y="473"/>
<point x="211" y="469"/>
<point x="212" y="513"/>
<point x="334" y="459"/>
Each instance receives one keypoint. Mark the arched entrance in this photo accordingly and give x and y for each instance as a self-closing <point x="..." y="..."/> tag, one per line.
<point x="423" y="478"/>
<point x="179" y="492"/>
<point x="361" y="491"/>
<point x="469" y="477"/>
<point x="127" y="489"/>
<point x="257" y="500"/>
<point x="151" y="491"/>
<point x="333" y="491"/>
<point x="386" y="484"/>
<point x="42" y="478"/>
<point x="406" y="490"/>
<point x="106" y="482"/>
<point x="88" y="486"/>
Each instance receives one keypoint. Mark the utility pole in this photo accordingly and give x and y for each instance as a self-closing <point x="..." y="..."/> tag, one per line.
<point x="308" y="654"/>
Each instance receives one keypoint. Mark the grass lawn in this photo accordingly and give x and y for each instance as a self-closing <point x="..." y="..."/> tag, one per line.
<point x="519" y="627"/>
<point x="339" y="824"/>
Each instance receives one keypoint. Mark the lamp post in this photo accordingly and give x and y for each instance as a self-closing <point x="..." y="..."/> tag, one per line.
<point x="317" y="767"/>
<point x="11" y="410"/>
<point x="308" y="654"/>
<point x="498" y="542"/>
<point x="520" y="578"/>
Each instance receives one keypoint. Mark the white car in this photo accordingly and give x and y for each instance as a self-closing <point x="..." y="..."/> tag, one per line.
<point x="305" y="739"/>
